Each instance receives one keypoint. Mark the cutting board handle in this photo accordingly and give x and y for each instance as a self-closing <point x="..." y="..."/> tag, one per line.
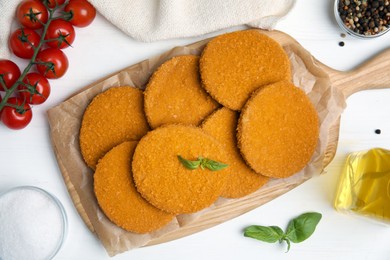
<point x="373" y="74"/>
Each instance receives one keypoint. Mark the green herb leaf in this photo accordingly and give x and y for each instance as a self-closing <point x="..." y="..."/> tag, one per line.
<point x="269" y="234"/>
<point x="298" y="230"/>
<point x="214" y="165"/>
<point x="192" y="165"/>
<point x="202" y="163"/>
<point x="302" y="227"/>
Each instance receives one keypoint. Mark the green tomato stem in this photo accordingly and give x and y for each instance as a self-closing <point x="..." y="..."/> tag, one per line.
<point x="9" y="91"/>
<point x="2" y="82"/>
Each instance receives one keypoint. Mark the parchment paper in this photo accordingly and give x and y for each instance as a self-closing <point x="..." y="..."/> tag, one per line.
<point x="65" y="120"/>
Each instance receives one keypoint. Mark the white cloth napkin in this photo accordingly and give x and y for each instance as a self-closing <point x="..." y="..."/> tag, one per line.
<point x="8" y="13"/>
<point x="153" y="20"/>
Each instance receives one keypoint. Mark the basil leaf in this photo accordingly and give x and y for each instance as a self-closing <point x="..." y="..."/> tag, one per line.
<point x="203" y="163"/>
<point x="192" y="165"/>
<point x="302" y="227"/>
<point x="214" y="165"/>
<point x="269" y="234"/>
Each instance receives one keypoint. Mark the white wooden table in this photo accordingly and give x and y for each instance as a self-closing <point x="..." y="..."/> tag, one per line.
<point x="26" y="157"/>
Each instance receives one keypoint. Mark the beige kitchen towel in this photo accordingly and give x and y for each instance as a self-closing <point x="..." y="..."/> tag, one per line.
<point x="153" y="20"/>
<point x="8" y="10"/>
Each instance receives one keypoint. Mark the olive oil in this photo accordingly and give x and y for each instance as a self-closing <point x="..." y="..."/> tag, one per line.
<point x="364" y="186"/>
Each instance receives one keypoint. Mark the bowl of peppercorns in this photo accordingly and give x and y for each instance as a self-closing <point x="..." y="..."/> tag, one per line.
<point x="364" y="19"/>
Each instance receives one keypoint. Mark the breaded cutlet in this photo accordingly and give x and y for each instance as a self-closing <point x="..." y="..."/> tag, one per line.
<point x="117" y="196"/>
<point x="165" y="182"/>
<point x="112" y="117"/>
<point x="278" y="130"/>
<point x="241" y="179"/>
<point x="174" y="94"/>
<point x="234" y="65"/>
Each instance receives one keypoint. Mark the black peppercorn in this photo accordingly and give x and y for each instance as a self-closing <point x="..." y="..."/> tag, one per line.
<point x="365" y="17"/>
<point x="341" y="44"/>
<point x="378" y="131"/>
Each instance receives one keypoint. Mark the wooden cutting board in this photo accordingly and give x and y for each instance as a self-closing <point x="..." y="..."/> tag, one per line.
<point x="372" y="74"/>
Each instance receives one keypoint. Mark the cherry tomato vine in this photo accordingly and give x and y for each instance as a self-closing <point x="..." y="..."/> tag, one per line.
<point x="55" y="20"/>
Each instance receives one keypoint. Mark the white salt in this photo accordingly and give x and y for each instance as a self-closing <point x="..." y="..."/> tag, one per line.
<point x="31" y="225"/>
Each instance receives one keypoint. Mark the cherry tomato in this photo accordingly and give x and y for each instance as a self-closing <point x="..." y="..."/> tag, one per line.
<point x="22" y="41"/>
<point x="32" y="14"/>
<point x="9" y="73"/>
<point x="16" y="118"/>
<point x="82" y="12"/>
<point x="53" y="3"/>
<point x="38" y="90"/>
<point x="60" y="33"/>
<point x="57" y="63"/>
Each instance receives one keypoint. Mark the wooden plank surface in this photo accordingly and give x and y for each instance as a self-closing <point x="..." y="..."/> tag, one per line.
<point x="348" y="82"/>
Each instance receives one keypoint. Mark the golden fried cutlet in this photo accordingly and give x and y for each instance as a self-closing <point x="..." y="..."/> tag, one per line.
<point x="118" y="197"/>
<point x="112" y="117"/>
<point x="234" y="65"/>
<point x="163" y="180"/>
<point x="241" y="179"/>
<point x="278" y="130"/>
<point x="174" y="94"/>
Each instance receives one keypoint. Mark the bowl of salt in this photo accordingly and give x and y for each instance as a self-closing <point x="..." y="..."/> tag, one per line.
<point x="33" y="224"/>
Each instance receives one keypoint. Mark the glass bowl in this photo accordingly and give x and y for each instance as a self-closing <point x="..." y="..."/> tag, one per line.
<point x="351" y="32"/>
<point x="56" y="203"/>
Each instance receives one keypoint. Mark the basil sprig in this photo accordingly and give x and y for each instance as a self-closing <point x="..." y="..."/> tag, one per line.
<point x="202" y="163"/>
<point x="299" y="229"/>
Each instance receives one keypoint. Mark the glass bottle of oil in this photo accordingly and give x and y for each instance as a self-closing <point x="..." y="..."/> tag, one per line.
<point x="364" y="186"/>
